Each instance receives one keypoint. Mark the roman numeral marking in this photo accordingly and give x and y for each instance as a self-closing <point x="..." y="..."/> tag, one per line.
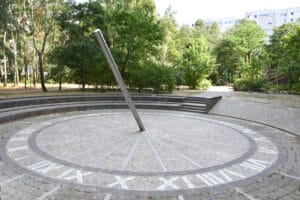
<point x="65" y="173"/>
<point x="218" y="177"/>
<point x="44" y="167"/>
<point x="248" y="131"/>
<point x="17" y="149"/>
<point x="21" y="158"/>
<point x="18" y="139"/>
<point x="210" y="179"/>
<point x="121" y="182"/>
<point x="168" y="183"/>
<point x="27" y="131"/>
<point x="254" y="164"/>
<point x="188" y="182"/>
<point x="226" y="172"/>
<point x="78" y="176"/>
<point x="266" y="150"/>
<point x="261" y="139"/>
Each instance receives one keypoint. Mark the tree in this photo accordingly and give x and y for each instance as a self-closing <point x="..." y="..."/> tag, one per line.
<point x="291" y="64"/>
<point x="281" y="58"/>
<point x="227" y="60"/>
<point x="170" y="54"/>
<point x="240" y="51"/>
<point x="42" y="20"/>
<point x="80" y="52"/>
<point x="197" y="62"/>
<point x="134" y="36"/>
<point x="9" y="28"/>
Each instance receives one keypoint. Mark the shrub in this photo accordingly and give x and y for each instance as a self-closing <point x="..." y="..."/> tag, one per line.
<point x="248" y="85"/>
<point x="296" y="87"/>
<point x="158" y="78"/>
<point x="204" y="84"/>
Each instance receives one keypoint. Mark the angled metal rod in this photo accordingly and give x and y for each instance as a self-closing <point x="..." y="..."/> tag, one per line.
<point x="118" y="77"/>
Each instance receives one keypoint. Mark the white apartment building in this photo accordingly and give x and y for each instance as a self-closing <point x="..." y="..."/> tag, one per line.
<point x="267" y="19"/>
<point x="224" y="23"/>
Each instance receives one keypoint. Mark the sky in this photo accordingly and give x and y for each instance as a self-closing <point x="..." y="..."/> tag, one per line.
<point x="188" y="11"/>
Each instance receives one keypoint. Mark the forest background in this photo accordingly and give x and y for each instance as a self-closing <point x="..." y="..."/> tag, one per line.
<point x="52" y="41"/>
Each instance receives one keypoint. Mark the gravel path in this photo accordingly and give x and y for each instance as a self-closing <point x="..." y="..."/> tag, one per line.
<point x="279" y="110"/>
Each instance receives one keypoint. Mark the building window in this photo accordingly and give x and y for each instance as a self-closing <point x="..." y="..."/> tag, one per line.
<point x="255" y="16"/>
<point x="292" y="13"/>
<point x="292" y="20"/>
<point x="248" y="16"/>
<point x="270" y="23"/>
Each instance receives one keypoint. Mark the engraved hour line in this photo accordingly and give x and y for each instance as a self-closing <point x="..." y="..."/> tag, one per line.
<point x="180" y="197"/>
<point x="121" y="182"/>
<point x="179" y="142"/>
<point x="12" y="179"/>
<point x="254" y="164"/>
<point x="115" y="149"/>
<point x="47" y="194"/>
<point x="207" y="141"/>
<point x="122" y="120"/>
<point x="182" y="155"/>
<point x="127" y="159"/>
<point x="238" y="190"/>
<point x="290" y="176"/>
<point x="90" y="150"/>
<point x="157" y="155"/>
<point x="107" y="196"/>
<point x="168" y="183"/>
<point x="51" y="143"/>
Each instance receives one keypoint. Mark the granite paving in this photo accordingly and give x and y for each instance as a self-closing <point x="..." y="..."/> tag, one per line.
<point x="258" y="139"/>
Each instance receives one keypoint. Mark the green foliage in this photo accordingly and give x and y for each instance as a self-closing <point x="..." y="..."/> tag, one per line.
<point x="204" y="84"/>
<point x="250" y="85"/>
<point x="153" y="76"/>
<point x="240" y="55"/>
<point x="284" y="55"/>
<point x="296" y="87"/>
<point x="134" y="37"/>
<point x="197" y="62"/>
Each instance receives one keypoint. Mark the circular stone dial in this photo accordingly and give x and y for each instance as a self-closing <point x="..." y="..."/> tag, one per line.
<point x="178" y="150"/>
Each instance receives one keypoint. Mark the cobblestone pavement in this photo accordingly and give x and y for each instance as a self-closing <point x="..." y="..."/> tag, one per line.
<point x="280" y="180"/>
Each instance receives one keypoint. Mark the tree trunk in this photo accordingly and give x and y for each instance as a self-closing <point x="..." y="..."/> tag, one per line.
<point x="41" y="71"/>
<point x="82" y="78"/>
<point x="34" y="76"/>
<point x="60" y="77"/>
<point x="34" y="67"/>
<point x="4" y="59"/>
<point x="16" y="76"/>
<point x="25" y="46"/>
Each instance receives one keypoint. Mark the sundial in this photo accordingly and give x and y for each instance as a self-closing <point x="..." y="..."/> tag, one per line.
<point x="177" y="151"/>
<point x="169" y="153"/>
